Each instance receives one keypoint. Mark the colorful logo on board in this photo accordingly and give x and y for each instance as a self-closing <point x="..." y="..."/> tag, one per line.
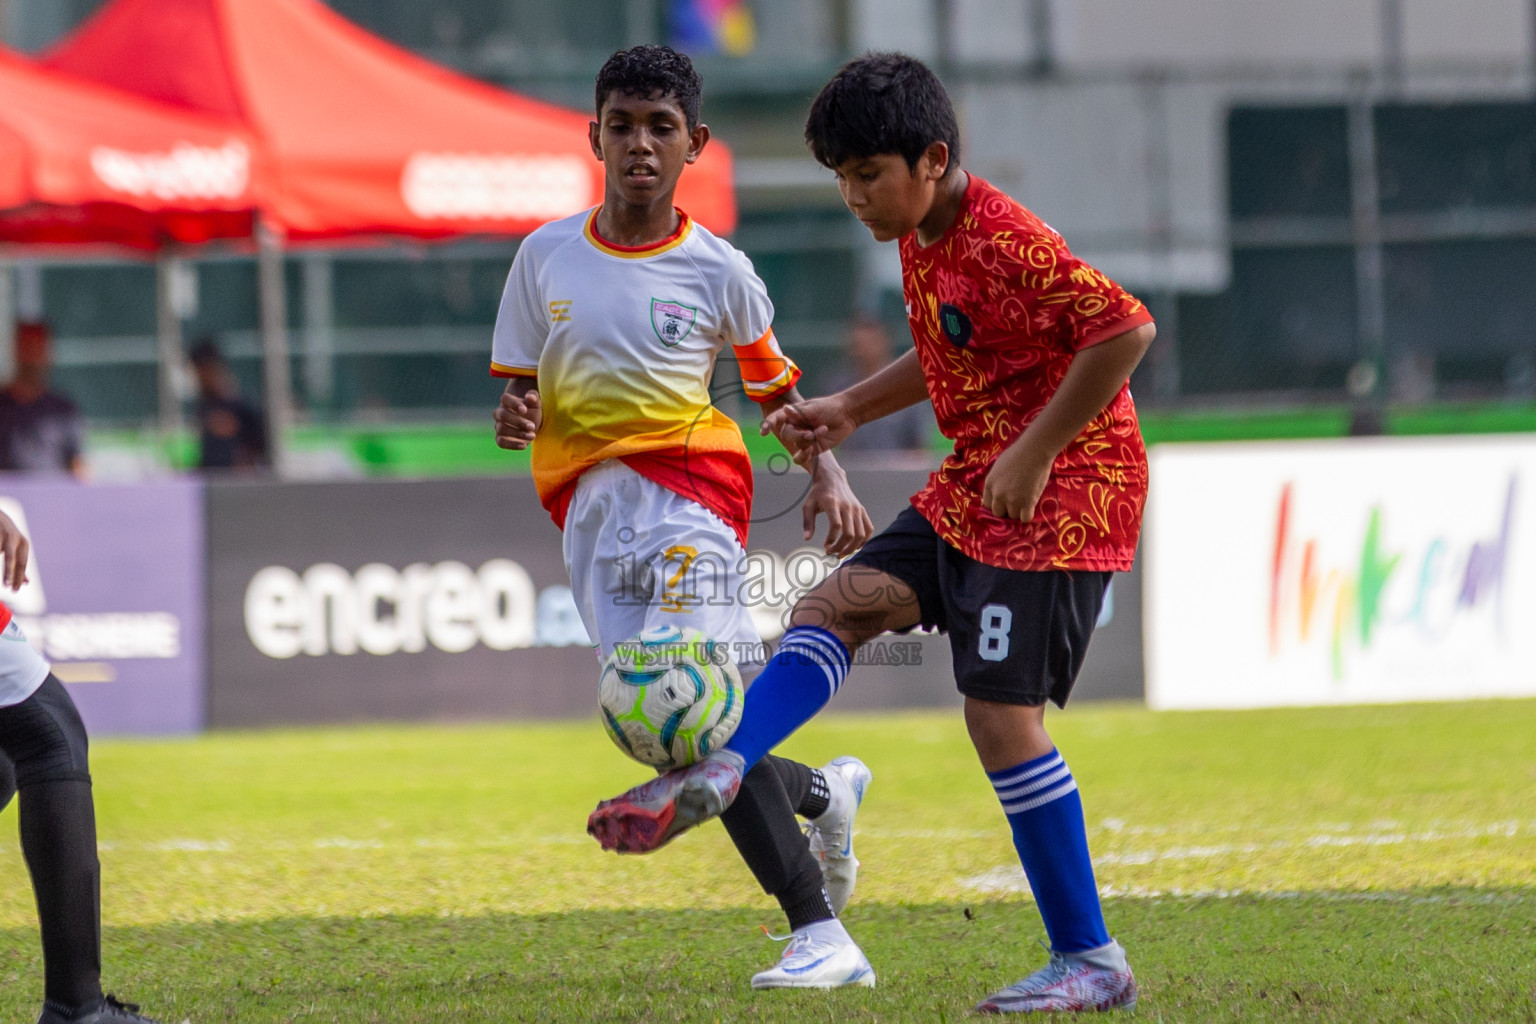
<point x="1425" y="585"/>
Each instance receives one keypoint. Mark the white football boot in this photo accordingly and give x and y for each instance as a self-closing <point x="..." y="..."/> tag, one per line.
<point x="821" y="955"/>
<point x="831" y="834"/>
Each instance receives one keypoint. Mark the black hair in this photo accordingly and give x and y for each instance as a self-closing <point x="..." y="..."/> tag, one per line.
<point x="653" y="72"/>
<point x="882" y="103"/>
<point x="205" y="350"/>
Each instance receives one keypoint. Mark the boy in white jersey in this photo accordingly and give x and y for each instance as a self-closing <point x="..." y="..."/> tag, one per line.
<point x="44" y="756"/>
<point x="609" y="330"/>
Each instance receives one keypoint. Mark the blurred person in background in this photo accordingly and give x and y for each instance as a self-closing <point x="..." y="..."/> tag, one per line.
<point x="868" y="349"/>
<point x="40" y="429"/>
<point x="231" y="432"/>
<point x="43" y="755"/>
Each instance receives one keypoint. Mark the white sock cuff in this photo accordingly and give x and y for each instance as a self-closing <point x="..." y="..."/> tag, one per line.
<point x="1034" y="784"/>
<point x="821" y="648"/>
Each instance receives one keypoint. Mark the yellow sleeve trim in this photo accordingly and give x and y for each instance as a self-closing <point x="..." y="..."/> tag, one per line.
<point x="502" y="370"/>
<point x="762" y="392"/>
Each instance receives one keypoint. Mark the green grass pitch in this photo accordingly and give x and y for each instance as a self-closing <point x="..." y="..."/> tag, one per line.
<point x="1352" y="864"/>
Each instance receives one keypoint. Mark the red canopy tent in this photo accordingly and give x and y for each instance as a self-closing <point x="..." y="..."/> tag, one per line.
<point x="365" y="138"/>
<point x="82" y="163"/>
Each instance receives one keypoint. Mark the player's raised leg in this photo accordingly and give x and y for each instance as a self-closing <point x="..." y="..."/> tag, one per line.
<point x="853" y="605"/>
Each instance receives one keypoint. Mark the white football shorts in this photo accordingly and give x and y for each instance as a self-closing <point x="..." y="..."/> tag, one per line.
<point x="642" y="556"/>
<point x="22" y="669"/>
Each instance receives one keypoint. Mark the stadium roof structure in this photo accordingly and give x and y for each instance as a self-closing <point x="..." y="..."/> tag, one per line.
<point x="365" y="139"/>
<point x="84" y="164"/>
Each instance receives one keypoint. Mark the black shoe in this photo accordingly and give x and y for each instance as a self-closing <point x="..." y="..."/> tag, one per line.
<point x="106" y="1010"/>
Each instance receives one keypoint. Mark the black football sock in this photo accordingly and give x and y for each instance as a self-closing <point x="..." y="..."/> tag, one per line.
<point x="58" y="840"/>
<point x="808" y="907"/>
<point x="805" y="786"/>
<point x="761" y="822"/>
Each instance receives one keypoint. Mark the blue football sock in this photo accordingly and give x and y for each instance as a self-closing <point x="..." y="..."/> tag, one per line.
<point x="801" y="677"/>
<point x="1043" y="807"/>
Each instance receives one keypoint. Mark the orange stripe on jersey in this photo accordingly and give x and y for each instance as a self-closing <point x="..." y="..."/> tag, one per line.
<point x="765" y="371"/>
<point x="638" y="252"/>
<point x="501" y="370"/>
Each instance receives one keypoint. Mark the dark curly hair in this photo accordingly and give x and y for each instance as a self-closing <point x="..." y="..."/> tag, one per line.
<point x="652" y="72"/>
<point x="882" y="103"/>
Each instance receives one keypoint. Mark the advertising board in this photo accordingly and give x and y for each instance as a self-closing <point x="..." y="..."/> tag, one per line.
<point x="115" y="597"/>
<point x="448" y="599"/>
<point x="1369" y="571"/>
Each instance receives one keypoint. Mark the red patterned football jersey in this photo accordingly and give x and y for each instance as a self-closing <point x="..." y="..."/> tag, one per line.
<point x="998" y="307"/>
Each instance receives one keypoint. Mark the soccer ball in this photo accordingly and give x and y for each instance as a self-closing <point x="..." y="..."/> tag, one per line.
<point x="670" y="697"/>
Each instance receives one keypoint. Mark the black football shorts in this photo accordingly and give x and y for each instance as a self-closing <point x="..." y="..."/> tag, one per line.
<point x="1016" y="636"/>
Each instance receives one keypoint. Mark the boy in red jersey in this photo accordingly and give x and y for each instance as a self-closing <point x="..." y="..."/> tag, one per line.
<point x="1025" y="352"/>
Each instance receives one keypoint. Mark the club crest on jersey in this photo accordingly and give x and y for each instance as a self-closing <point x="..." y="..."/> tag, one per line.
<point x="672" y="321"/>
<point x="955" y="325"/>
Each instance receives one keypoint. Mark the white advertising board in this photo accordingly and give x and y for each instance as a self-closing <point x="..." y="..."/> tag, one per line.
<point x="1365" y="571"/>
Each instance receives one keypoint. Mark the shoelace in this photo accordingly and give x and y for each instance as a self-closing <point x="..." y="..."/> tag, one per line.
<point x="814" y="839"/>
<point x="1054" y="970"/>
<point x="797" y="943"/>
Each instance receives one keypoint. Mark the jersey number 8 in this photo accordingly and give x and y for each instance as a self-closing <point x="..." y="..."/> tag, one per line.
<point x="996" y="621"/>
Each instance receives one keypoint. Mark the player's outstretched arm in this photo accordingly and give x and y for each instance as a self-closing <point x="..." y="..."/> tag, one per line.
<point x="848" y="523"/>
<point x="1018" y="477"/>
<point x="13" y="554"/>
<point x="814" y="426"/>
<point x="520" y="413"/>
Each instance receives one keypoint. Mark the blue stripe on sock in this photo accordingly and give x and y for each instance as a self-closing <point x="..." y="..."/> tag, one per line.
<point x="1045" y="812"/>
<point x="798" y="681"/>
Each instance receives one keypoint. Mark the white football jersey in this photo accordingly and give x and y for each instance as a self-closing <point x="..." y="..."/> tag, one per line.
<point x="623" y="342"/>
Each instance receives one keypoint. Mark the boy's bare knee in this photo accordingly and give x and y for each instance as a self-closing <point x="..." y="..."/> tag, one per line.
<point x="858" y="604"/>
<point x="863" y="625"/>
<point x="853" y="626"/>
<point x="1005" y="735"/>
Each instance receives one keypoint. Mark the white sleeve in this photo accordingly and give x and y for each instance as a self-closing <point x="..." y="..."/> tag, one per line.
<point x="522" y="325"/>
<point x="748" y="312"/>
<point x="766" y="371"/>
